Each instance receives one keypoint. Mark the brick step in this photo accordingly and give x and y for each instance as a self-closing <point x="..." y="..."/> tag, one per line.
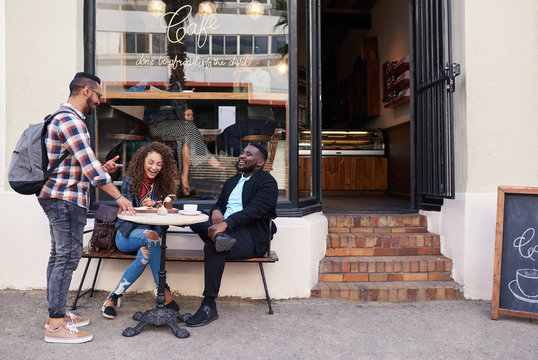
<point x="404" y="291"/>
<point x="358" y="244"/>
<point x="378" y="223"/>
<point x="344" y="268"/>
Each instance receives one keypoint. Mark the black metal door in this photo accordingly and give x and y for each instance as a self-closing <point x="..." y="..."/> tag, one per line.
<point x="434" y="74"/>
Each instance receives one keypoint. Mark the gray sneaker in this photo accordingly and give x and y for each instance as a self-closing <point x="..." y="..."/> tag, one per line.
<point x="224" y="242"/>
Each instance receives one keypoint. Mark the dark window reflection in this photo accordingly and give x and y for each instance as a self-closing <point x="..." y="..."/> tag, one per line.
<point x="158" y="44"/>
<point x="204" y="50"/>
<point x="218" y="45"/>
<point x="130" y="43"/>
<point x="231" y="45"/>
<point x="261" y="44"/>
<point x="190" y="45"/>
<point x="142" y="43"/>
<point x="278" y="42"/>
<point x="245" y="44"/>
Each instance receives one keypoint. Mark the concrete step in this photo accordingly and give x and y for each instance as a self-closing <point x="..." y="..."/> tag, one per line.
<point x="382" y="244"/>
<point x="385" y="268"/>
<point x="404" y="291"/>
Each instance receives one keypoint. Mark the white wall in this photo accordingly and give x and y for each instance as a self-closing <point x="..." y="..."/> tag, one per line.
<point x="43" y="52"/>
<point x="495" y="119"/>
<point x="2" y="92"/>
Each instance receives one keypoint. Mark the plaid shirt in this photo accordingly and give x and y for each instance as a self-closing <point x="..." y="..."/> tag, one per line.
<point x="71" y="179"/>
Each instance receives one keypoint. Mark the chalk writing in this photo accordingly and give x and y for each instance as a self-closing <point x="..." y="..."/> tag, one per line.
<point x="524" y="244"/>
<point x="144" y="60"/>
<point x="525" y="286"/>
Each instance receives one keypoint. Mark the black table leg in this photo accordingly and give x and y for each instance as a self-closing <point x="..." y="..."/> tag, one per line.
<point x="159" y="315"/>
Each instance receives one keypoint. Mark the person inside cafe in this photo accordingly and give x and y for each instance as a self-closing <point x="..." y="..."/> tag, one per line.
<point x="152" y="175"/>
<point x="173" y="122"/>
<point x="238" y="225"/>
<point x="260" y="117"/>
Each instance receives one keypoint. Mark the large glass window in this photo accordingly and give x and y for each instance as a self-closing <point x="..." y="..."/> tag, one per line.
<point x="229" y="67"/>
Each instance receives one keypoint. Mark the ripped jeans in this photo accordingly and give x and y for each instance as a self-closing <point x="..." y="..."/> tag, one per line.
<point x="138" y="241"/>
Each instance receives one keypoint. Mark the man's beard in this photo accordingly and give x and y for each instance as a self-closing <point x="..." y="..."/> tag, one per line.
<point x="245" y="169"/>
<point x="90" y="106"/>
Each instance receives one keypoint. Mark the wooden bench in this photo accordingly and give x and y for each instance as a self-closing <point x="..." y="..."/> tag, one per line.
<point x="171" y="255"/>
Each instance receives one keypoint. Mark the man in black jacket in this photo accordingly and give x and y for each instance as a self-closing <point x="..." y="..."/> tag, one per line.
<point x="238" y="225"/>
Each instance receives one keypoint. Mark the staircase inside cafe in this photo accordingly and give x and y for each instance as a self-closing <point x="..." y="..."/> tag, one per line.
<point x="388" y="258"/>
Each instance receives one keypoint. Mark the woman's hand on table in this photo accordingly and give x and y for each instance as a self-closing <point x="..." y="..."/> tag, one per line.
<point x="148" y="202"/>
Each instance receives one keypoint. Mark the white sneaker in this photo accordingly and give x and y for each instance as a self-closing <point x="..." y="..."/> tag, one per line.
<point x="67" y="334"/>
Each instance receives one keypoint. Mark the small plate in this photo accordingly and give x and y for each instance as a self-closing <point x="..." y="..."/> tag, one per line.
<point x="191" y="213"/>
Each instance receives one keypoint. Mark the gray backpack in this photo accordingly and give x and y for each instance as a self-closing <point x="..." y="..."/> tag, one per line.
<point x="29" y="161"/>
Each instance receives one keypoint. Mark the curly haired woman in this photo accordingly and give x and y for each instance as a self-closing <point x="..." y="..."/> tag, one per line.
<point x="151" y="176"/>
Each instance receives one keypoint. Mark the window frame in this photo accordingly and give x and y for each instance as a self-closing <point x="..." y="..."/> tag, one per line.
<point x="293" y="206"/>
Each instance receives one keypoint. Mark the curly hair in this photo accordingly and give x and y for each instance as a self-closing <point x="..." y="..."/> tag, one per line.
<point x="166" y="181"/>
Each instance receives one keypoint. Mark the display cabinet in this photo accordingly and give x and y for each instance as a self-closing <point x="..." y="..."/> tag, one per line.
<point x="352" y="161"/>
<point x="346" y="143"/>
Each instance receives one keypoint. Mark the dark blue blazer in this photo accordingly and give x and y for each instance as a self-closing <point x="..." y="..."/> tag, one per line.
<point x="125" y="227"/>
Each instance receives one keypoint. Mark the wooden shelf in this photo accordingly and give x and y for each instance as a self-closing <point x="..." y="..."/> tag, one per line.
<point x="262" y="98"/>
<point x="402" y="66"/>
<point x="400" y="101"/>
<point x="396" y="81"/>
<point x="401" y="83"/>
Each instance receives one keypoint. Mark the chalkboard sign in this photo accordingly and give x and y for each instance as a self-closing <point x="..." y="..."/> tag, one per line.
<point x="515" y="278"/>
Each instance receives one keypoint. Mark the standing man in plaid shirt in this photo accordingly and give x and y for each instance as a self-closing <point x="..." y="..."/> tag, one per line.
<point x="64" y="198"/>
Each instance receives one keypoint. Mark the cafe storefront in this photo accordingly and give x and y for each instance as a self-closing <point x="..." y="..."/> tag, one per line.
<point x="282" y="70"/>
<point x="244" y="68"/>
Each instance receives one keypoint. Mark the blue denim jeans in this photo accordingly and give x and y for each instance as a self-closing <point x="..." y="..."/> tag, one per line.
<point x="66" y="222"/>
<point x="133" y="243"/>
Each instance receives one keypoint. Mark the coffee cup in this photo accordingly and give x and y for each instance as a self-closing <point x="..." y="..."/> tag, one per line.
<point x="527" y="282"/>
<point x="190" y="208"/>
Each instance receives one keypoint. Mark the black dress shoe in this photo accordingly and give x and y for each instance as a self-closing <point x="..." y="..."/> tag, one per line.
<point x="224" y="242"/>
<point x="203" y="316"/>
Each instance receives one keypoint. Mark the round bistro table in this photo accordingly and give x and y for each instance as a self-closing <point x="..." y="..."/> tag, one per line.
<point x="160" y="315"/>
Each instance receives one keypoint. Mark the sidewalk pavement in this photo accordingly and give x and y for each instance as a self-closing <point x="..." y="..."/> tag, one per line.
<point x="299" y="329"/>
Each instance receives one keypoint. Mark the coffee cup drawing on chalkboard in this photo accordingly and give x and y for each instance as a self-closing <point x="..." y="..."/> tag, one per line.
<point x="525" y="286"/>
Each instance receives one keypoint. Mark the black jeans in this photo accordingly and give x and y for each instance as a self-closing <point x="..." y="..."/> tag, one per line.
<point x="214" y="261"/>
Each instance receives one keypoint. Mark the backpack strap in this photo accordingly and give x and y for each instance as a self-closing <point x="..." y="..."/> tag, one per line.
<point x="57" y="162"/>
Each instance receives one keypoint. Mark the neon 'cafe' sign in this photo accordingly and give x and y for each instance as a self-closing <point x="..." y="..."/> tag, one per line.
<point x="178" y="27"/>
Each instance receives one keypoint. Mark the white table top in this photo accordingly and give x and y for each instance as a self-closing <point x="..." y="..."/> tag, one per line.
<point x="168" y="219"/>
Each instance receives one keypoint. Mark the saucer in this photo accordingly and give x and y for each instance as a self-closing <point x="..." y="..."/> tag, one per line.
<point x="519" y="295"/>
<point x="191" y="213"/>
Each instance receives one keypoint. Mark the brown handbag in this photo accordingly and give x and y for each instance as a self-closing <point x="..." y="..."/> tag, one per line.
<point x="104" y="229"/>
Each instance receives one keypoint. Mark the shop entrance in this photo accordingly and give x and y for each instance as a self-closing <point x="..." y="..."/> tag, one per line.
<point x="366" y="115"/>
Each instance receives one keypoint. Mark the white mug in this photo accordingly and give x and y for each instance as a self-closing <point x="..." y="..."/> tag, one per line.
<point x="190" y="208"/>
